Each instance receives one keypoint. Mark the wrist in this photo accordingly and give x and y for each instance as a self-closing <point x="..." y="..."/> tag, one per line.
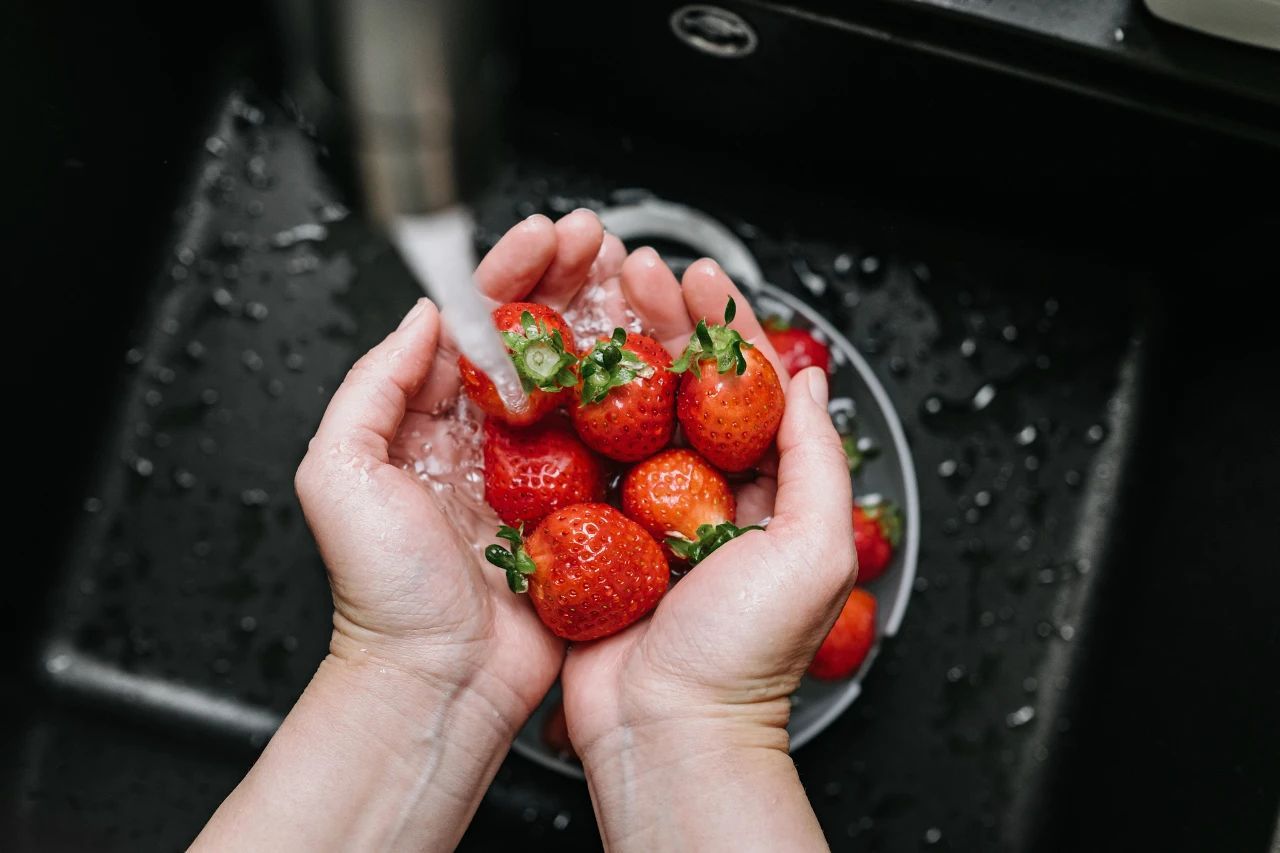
<point x="690" y="780"/>
<point x="423" y="689"/>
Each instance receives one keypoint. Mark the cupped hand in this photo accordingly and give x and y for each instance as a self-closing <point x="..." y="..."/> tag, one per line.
<point x="731" y="640"/>
<point x="383" y="491"/>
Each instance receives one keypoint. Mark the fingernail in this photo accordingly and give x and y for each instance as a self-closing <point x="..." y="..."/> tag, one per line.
<point x="647" y="256"/>
<point x="818" y="385"/>
<point x="708" y="266"/>
<point x="535" y="222"/>
<point x="414" y="312"/>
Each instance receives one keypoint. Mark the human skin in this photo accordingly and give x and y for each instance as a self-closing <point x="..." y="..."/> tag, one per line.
<point x="434" y="664"/>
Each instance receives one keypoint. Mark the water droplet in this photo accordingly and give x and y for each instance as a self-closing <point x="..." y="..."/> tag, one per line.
<point x="1072" y="478"/>
<point x="1044" y="630"/>
<point x="275" y="388"/>
<point x="1030" y="684"/>
<point x="313" y="232"/>
<point x="1020" y="717"/>
<point x="932" y="835"/>
<point x="1031" y="463"/>
<point x="983" y="397"/>
<point x="133" y="356"/>
<point x="955" y="674"/>
<point x="982" y="498"/>
<point x="1067" y="632"/>
<point x="947" y="468"/>
<point x="254" y="497"/>
<point x="869" y="266"/>
<point x="1009" y="333"/>
<point x="248" y="624"/>
<point x="933" y="404"/>
<point x="843" y="264"/>
<point x="222" y="297"/>
<point x="255" y="311"/>
<point x="251" y="360"/>
<point x="143" y="466"/>
<point x="1046" y="576"/>
<point x="294" y="361"/>
<point x="1118" y="34"/>
<point x="209" y="396"/>
<point x="561" y="820"/>
<point x="968" y="347"/>
<point x="1026" y="435"/>
<point x="1095" y="434"/>
<point x="184" y="478"/>
<point x="215" y="145"/>
<point x="92" y="504"/>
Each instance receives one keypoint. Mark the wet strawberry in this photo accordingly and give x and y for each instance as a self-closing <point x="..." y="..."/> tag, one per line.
<point x="627" y="397"/>
<point x="730" y="400"/>
<point x="542" y="349"/>
<point x="589" y="570"/>
<point x="531" y="471"/>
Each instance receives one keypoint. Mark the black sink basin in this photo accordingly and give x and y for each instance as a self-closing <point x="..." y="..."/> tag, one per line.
<point x="1082" y="368"/>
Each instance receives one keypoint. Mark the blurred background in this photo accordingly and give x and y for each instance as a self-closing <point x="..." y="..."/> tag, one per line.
<point x="1051" y="228"/>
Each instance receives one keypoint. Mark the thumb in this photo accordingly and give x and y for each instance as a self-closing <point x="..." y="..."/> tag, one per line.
<point x="812" y="513"/>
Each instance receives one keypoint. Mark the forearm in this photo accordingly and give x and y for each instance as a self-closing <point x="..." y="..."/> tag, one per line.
<point x="371" y="757"/>
<point x="701" y="785"/>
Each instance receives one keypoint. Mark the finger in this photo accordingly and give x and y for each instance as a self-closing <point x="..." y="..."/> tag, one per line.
<point x="513" y="266"/>
<point x="608" y="263"/>
<point x="707" y="288"/>
<point x="367" y="408"/>
<point x="654" y="294"/>
<point x="815" y="498"/>
<point x="578" y="239"/>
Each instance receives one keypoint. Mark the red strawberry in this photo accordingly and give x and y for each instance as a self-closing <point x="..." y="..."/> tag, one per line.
<point x="627" y="397"/>
<point x="796" y="348"/>
<point x="850" y="639"/>
<point x="677" y="496"/>
<point x="730" y="412"/>
<point x="542" y="349"/>
<point x="877" y="529"/>
<point x="589" y="569"/>
<point x="530" y="472"/>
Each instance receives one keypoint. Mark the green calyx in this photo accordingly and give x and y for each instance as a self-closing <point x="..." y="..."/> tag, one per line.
<point x="857" y="451"/>
<point x="516" y="563"/>
<point x="714" y="342"/>
<point x="887" y="515"/>
<point x="710" y="537"/>
<point x="608" y="366"/>
<point x="540" y="357"/>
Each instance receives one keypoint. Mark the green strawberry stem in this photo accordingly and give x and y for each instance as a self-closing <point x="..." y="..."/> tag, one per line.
<point x="539" y="356"/>
<point x="709" y="538"/>
<point x="714" y="342"/>
<point x="608" y="366"/>
<point x="516" y="563"/>
<point x="887" y="515"/>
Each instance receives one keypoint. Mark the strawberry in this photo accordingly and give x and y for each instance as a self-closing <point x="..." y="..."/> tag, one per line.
<point x="530" y="472"/>
<point x="877" y="530"/>
<point x="730" y="413"/>
<point x="543" y="351"/>
<point x="796" y="348"/>
<point x="850" y="640"/>
<point x="589" y="569"/>
<point x="627" y="397"/>
<point x="677" y="496"/>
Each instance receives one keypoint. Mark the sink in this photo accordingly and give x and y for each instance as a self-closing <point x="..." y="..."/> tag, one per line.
<point x="1088" y="659"/>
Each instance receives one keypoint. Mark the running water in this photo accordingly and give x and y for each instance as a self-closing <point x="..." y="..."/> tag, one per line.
<point x="437" y="249"/>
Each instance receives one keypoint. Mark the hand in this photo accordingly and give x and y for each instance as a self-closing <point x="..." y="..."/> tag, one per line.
<point x="685" y="712"/>
<point x="410" y="589"/>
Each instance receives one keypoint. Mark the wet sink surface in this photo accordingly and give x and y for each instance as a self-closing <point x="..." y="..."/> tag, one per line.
<point x="1062" y="604"/>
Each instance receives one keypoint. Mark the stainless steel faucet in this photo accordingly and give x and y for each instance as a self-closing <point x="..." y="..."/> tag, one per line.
<point x="415" y="87"/>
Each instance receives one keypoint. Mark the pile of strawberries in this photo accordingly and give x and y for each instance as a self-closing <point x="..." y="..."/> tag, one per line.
<point x="591" y="568"/>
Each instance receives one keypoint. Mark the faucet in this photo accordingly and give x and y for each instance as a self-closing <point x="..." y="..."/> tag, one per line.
<point x="414" y="86"/>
